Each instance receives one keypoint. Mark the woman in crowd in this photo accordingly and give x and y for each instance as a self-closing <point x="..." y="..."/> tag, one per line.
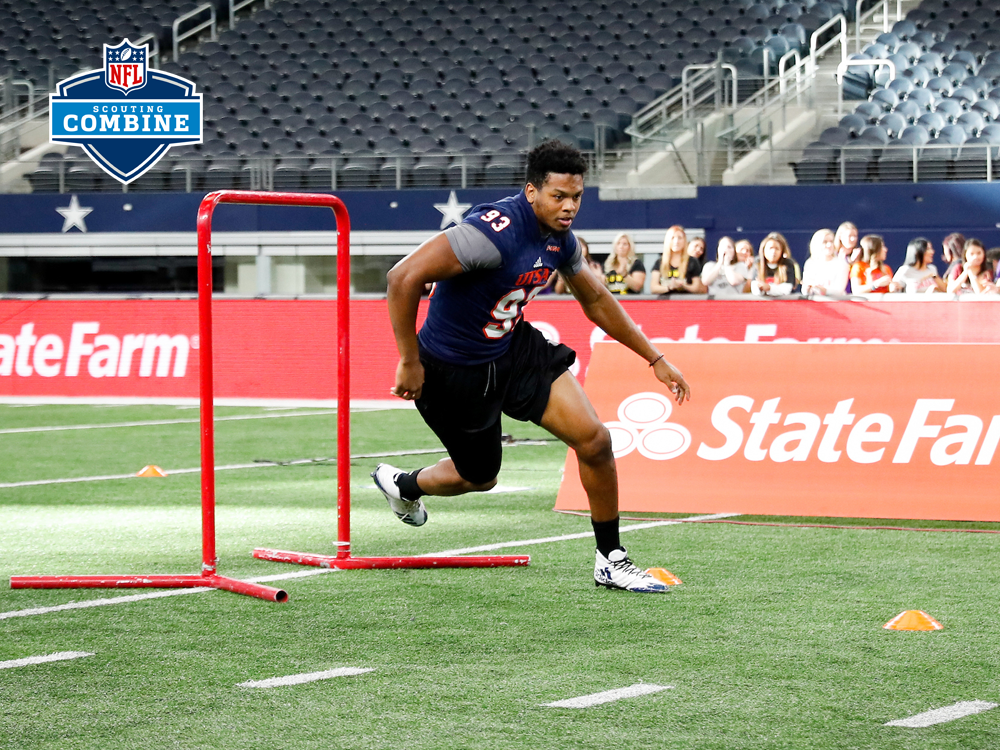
<point x="919" y="274"/>
<point x="846" y="243"/>
<point x="675" y="271"/>
<point x="696" y="250"/>
<point x="624" y="272"/>
<point x="872" y="275"/>
<point x="728" y="275"/>
<point x="775" y="270"/>
<point x="952" y="248"/>
<point x="973" y="275"/>
<point x="825" y="272"/>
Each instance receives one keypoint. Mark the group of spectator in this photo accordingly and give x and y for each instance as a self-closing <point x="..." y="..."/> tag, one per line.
<point x="839" y="264"/>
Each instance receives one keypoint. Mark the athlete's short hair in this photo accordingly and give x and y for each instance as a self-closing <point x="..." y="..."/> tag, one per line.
<point x="553" y="157"/>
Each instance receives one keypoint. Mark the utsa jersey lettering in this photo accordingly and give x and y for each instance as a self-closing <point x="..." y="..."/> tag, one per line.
<point x="471" y="315"/>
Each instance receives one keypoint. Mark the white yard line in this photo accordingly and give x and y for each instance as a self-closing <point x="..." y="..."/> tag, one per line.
<point x="300" y="679"/>
<point x="582" y="535"/>
<point x="255" y="465"/>
<point x="609" y="696"/>
<point x="156" y="422"/>
<point x="27" y="662"/>
<point x="942" y="715"/>
<point x="311" y="572"/>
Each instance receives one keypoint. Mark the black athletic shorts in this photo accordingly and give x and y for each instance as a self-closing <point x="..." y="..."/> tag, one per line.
<point x="463" y="403"/>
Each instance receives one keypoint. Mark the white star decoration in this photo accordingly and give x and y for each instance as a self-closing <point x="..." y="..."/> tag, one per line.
<point x="74" y="215"/>
<point x="452" y="211"/>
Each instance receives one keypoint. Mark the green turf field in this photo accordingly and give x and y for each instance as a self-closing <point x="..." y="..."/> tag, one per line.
<point x="774" y="640"/>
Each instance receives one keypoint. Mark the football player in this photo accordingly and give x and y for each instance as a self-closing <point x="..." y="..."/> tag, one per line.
<point x="475" y="356"/>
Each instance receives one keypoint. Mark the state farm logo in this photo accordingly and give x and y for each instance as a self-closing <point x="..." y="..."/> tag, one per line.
<point x="642" y="425"/>
<point x="763" y="433"/>
<point x="100" y="355"/>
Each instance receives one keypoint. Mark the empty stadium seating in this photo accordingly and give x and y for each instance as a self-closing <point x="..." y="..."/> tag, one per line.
<point x="938" y="120"/>
<point x="324" y="93"/>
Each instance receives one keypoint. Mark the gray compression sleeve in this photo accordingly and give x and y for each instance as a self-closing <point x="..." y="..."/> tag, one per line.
<point x="575" y="262"/>
<point x="472" y="248"/>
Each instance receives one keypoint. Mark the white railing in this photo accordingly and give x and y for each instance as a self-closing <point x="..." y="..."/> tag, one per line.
<point x="689" y="96"/>
<point x="859" y="19"/>
<point x="154" y="52"/>
<point x="815" y="50"/>
<point x="235" y="5"/>
<point x="196" y="29"/>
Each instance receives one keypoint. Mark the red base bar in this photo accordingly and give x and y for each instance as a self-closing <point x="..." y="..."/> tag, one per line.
<point x="149" y="582"/>
<point x="372" y="563"/>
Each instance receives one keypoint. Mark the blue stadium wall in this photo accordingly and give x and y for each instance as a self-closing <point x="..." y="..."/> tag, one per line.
<point x="899" y="212"/>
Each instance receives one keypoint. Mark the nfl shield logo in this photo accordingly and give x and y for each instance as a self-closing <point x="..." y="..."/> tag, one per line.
<point x="125" y="66"/>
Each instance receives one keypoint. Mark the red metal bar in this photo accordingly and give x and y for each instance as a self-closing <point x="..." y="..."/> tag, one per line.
<point x="269" y="593"/>
<point x="208" y="577"/>
<point x="372" y="563"/>
<point x="109" y="582"/>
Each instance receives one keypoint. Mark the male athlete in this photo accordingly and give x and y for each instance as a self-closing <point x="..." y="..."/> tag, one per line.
<point x="476" y="357"/>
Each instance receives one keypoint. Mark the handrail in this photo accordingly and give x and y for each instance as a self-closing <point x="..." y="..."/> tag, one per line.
<point x="234" y="6"/>
<point x="858" y="18"/>
<point x="210" y="23"/>
<point x="842" y="69"/>
<point x="31" y="93"/>
<point x="815" y="50"/>
<point x="154" y="55"/>
<point x="687" y="90"/>
<point x="782" y="84"/>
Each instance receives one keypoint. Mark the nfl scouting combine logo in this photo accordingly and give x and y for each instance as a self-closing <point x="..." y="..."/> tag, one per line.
<point x="127" y="115"/>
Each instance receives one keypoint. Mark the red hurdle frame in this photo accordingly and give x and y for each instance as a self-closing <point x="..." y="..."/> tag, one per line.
<point x="343" y="560"/>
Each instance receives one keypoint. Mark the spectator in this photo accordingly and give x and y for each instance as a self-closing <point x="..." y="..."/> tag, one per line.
<point x="728" y="275"/>
<point x="919" y="275"/>
<point x="745" y="256"/>
<point x="696" y="250"/>
<point x="775" y="270"/>
<point x="872" y="275"/>
<point x="846" y="243"/>
<point x="973" y="275"/>
<point x="624" y="272"/>
<point x="675" y="270"/>
<point x="825" y="272"/>
<point x="993" y="259"/>
<point x="952" y="248"/>
<point x="560" y="284"/>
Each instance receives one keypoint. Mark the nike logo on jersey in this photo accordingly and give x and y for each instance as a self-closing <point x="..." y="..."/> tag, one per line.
<point x="538" y="263"/>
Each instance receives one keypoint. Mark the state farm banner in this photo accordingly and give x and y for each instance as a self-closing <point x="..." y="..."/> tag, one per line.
<point x="286" y="349"/>
<point x="894" y="431"/>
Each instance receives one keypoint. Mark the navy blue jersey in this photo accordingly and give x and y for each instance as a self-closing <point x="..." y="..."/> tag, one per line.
<point x="506" y="261"/>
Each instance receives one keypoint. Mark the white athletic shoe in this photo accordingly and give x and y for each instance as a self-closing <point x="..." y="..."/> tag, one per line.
<point x="616" y="571"/>
<point x="410" y="512"/>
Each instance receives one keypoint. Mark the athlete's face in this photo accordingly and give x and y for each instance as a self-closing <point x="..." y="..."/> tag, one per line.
<point x="557" y="201"/>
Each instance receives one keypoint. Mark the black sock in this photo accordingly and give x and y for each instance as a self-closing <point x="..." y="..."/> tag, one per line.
<point x="408" y="487"/>
<point x="606" y="534"/>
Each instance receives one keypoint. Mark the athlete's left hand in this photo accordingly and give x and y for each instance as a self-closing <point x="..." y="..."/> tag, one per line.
<point x="671" y="377"/>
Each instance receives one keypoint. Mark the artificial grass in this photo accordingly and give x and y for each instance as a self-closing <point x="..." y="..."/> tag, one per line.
<point x="773" y="641"/>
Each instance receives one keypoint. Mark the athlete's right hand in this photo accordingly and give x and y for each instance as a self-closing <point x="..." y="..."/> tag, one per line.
<point x="409" y="380"/>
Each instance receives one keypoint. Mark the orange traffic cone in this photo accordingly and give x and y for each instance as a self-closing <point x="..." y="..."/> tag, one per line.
<point x="664" y="576"/>
<point x="151" y="470"/>
<point x="913" y="619"/>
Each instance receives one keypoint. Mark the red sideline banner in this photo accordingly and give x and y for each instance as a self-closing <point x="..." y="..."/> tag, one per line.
<point x="897" y="431"/>
<point x="286" y="349"/>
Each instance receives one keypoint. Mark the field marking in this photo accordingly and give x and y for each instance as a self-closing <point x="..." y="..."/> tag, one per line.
<point x="582" y="535"/>
<point x="261" y="464"/>
<point x="314" y="572"/>
<point x="27" y="662"/>
<point x="156" y="422"/>
<point x="942" y="715"/>
<point x="301" y="679"/>
<point x="608" y="696"/>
